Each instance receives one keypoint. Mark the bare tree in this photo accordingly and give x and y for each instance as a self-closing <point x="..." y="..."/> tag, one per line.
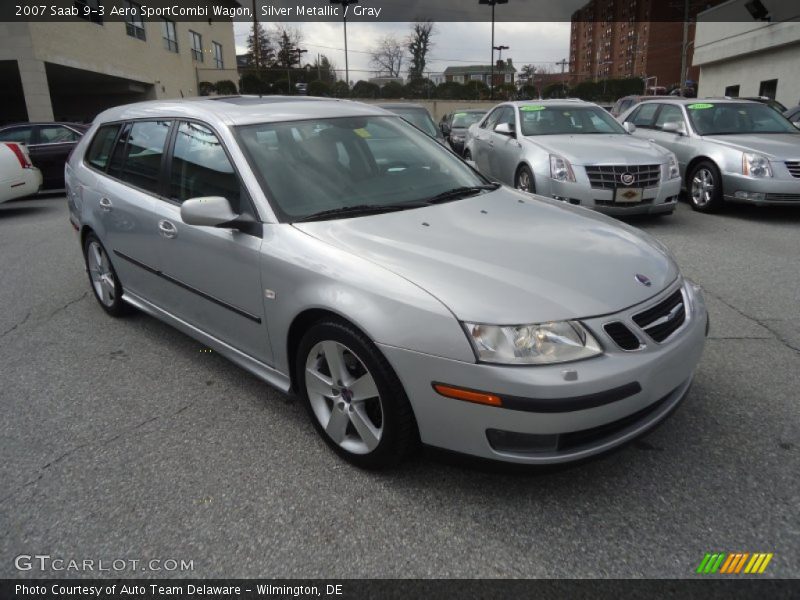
<point x="387" y="56"/>
<point x="288" y="39"/>
<point x="420" y="43"/>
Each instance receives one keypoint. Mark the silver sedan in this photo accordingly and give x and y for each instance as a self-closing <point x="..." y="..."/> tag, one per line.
<point x="339" y="253"/>
<point x="575" y="152"/>
<point x="728" y="150"/>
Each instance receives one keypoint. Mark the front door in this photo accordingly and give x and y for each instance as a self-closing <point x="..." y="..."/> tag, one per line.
<point x="211" y="277"/>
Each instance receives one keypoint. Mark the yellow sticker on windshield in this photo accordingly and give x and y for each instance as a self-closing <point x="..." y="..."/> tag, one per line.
<point x="363" y="133"/>
<point x="532" y="107"/>
<point x="699" y="106"/>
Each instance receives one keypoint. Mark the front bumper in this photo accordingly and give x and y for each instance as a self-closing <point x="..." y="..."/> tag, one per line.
<point x="761" y="191"/>
<point x="649" y="383"/>
<point x="656" y="200"/>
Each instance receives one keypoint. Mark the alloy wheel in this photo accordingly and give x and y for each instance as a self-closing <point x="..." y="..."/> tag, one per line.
<point x="344" y="397"/>
<point x="703" y="187"/>
<point x="101" y="274"/>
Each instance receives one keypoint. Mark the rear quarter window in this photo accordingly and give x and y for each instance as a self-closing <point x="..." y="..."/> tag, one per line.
<point x="101" y="146"/>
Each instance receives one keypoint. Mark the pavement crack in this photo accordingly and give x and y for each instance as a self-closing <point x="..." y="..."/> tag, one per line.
<point x="66" y="305"/>
<point x="20" y="324"/>
<point x="99" y="444"/>
<point x="762" y="322"/>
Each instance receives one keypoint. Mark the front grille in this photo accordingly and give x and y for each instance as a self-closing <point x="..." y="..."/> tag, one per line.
<point x="783" y="197"/>
<point x="622" y="336"/>
<point x="794" y="167"/>
<point x="609" y="177"/>
<point x="662" y="320"/>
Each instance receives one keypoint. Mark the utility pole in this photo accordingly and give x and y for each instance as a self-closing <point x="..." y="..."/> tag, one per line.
<point x="564" y="62"/>
<point x="685" y="46"/>
<point x="256" y="49"/>
<point x="345" y="4"/>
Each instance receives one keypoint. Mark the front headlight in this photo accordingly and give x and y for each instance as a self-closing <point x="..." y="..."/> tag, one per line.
<point x="457" y="138"/>
<point x="756" y="165"/>
<point x="560" y="169"/>
<point x="537" y="344"/>
<point x="673" y="172"/>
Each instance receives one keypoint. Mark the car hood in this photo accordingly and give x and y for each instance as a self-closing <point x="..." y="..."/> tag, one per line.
<point x="774" y="145"/>
<point x="601" y="149"/>
<point x="508" y="258"/>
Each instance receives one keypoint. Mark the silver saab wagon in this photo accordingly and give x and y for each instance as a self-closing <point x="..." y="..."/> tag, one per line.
<point x="338" y="252"/>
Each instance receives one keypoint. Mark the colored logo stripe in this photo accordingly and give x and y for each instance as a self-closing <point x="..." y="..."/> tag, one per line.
<point x="734" y="563"/>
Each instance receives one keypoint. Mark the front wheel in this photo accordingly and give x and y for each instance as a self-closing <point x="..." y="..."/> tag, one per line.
<point x="354" y="398"/>
<point x="102" y="276"/>
<point x="705" y="187"/>
<point x="524" y="180"/>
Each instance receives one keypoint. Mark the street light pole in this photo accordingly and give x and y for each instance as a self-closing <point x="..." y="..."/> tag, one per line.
<point x="344" y="4"/>
<point x="492" y="3"/>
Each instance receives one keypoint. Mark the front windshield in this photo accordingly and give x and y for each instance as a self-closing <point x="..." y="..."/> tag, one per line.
<point x="418" y="117"/>
<point x="317" y="165"/>
<point x="539" y="119"/>
<point x="729" y="118"/>
<point x="465" y="119"/>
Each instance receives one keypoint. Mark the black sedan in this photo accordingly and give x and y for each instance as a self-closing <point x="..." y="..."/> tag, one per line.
<point x="49" y="145"/>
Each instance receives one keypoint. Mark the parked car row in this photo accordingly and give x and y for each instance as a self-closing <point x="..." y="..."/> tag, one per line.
<point x="574" y="151"/>
<point x="334" y="250"/>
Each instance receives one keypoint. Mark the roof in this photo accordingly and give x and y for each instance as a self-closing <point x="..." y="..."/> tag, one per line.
<point x="554" y="102"/>
<point x="400" y="105"/>
<point x="241" y="110"/>
<point x="476" y="69"/>
<point x="681" y="100"/>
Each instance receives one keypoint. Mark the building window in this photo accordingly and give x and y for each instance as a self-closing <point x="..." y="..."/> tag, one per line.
<point x="458" y="78"/>
<point x="169" y="35"/>
<point x="768" y="88"/>
<point x="476" y="77"/>
<point x="89" y="10"/>
<point x="508" y="77"/>
<point x="134" y="26"/>
<point x="197" y="46"/>
<point x="218" y="62"/>
<point x="732" y="91"/>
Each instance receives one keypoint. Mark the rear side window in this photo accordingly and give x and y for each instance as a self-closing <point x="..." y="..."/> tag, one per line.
<point x="137" y="156"/>
<point x="101" y="146"/>
<point x="21" y="135"/>
<point x="200" y="167"/>
<point x="56" y="134"/>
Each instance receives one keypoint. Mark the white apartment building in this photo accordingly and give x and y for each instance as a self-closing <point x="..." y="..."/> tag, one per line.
<point x="73" y="70"/>
<point x="749" y="51"/>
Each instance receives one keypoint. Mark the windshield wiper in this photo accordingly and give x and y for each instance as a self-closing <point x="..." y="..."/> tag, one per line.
<point x="358" y="210"/>
<point x="460" y="192"/>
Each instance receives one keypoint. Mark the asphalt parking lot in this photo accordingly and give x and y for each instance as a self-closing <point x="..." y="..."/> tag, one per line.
<point x="121" y="439"/>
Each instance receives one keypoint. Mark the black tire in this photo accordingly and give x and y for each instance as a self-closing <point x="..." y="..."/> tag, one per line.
<point x="702" y="199"/>
<point x="112" y="303"/>
<point x="400" y="435"/>
<point x="524" y="177"/>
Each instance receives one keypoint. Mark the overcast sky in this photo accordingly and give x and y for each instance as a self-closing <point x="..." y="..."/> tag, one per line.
<point x="454" y="43"/>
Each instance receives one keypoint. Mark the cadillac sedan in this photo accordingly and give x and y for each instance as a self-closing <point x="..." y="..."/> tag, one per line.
<point x="728" y="150"/>
<point x="339" y="253"/>
<point x="575" y="152"/>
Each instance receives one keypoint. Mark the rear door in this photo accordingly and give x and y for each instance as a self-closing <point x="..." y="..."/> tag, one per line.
<point x="122" y="195"/>
<point x="211" y="277"/>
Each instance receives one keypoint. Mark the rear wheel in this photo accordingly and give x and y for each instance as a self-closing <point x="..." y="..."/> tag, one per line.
<point x="705" y="187"/>
<point x="102" y="276"/>
<point x="354" y="398"/>
<point x="524" y="180"/>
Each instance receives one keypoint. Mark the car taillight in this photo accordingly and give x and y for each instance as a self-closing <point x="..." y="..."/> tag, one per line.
<point x="21" y="156"/>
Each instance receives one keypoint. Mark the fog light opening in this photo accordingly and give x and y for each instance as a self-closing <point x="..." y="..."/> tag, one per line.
<point x="754" y="196"/>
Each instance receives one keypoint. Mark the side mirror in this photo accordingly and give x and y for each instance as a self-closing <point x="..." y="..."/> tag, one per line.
<point x="209" y="211"/>
<point x="673" y="127"/>
<point x="797" y="124"/>
<point x="629" y="127"/>
<point x="504" y="129"/>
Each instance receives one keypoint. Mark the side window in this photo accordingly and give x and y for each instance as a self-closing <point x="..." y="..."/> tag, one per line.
<point x="101" y="146"/>
<point x="21" y="135"/>
<point x="644" y="116"/>
<point x="56" y="134"/>
<point x="669" y="113"/>
<point x="200" y="167"/>
<point x="507" y="116"/>
<point x="492" y="119"/>
<point x="138" y="162"/>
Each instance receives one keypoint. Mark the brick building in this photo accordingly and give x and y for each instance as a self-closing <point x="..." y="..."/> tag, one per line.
<point x="633" y="38"/>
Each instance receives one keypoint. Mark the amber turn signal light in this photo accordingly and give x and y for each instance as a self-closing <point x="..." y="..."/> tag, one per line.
<point x="467" y="395"/>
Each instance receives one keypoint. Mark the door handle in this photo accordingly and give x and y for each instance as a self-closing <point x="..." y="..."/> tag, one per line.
<point x="651" y="140"/>
<point x="105" y="204"/>
<point x="167" y="229"/>
<point x="491" y="143"/>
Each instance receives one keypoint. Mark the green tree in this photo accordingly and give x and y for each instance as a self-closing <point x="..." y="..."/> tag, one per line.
<point x="319" y="88"/>
<point x="419" y="45"/>
<point x="365" y="89"/>
<point x="340" y="89"/>
<point x="226" y="88"/>
<point x="393" y="89"/>
<point x="451" y="90"/>
<point x="266" y="52"/>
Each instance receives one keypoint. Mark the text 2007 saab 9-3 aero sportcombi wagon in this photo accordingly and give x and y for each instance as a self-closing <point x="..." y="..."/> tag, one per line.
<point x="336" y="251"/>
